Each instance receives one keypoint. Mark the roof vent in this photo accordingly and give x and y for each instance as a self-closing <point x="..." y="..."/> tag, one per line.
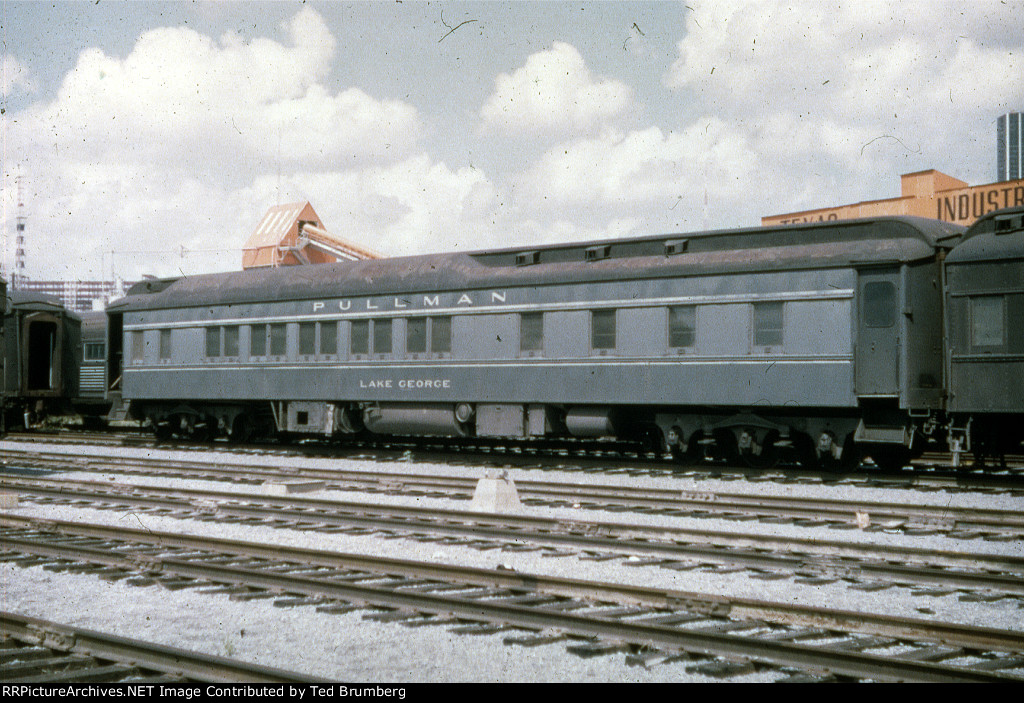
<point x="527" y="258"/>
<point x="598" y="253"/>
<point x="676" y="246"/>
<point x="1009" y="223"/>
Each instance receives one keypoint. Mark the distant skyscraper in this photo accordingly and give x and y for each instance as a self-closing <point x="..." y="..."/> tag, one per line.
<point x="1009" y="152"/>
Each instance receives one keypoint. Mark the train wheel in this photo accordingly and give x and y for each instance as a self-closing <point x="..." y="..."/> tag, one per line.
<point x="200" y="432"/>
<point x="699" y="448"/>
<point x="685" y="453"/>
<point x="651" y="441"/>
<point x="725" y="447"/>
<point x="802" y="451"/>
<point x="241" y="429"/>
<point x="986" y="447"/>
<point x="161" y="430"/>
<point x="849" y="458"/>
<point x="763" y="455"/>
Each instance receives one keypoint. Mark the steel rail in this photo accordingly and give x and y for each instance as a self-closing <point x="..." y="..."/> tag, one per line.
<point x="827" y="509"/>
<point x="852" y="664"/>
<point x="672" y="543"/>
<point x="528" y="452"/>
<point x="193" y="666"/>
<point x="711" y="605"/>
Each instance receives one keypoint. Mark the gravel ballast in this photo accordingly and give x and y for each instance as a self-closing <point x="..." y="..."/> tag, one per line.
<point x="347" y="647"/>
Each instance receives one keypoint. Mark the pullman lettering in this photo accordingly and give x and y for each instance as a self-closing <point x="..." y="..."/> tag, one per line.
<point x="413" y="302"/>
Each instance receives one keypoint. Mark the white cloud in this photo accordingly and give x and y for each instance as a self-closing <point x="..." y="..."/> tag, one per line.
<point x="350" y="127"/>
<point x="15" y="76"/>
<point x="554" y="91"/>
<point x="801" y="105"/>
<point x="409" y="207"/>
<point x="185" y="100"/>
<point x="866" y="60"/>
<point x="858" y="89"/>
<point x="152" y="151"/>
<point x="642" y="168"/>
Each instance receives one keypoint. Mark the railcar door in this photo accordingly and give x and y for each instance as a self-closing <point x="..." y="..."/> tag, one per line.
<point x="41" y="353"/>
<point x="877" y="371"/>
<point x="115" y="342"/>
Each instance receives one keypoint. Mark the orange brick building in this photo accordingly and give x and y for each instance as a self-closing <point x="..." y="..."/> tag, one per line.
<point x="926" y="194"/>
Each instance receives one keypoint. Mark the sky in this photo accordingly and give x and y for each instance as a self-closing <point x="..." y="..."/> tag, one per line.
<point x="149" y="138"/>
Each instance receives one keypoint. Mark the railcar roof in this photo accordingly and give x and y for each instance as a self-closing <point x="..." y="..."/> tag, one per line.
<point x="997" y="235"/>
<point x="26" y="300"/>
<point x="833" y="244"/>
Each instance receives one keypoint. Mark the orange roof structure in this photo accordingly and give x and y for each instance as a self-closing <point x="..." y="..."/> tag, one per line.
<point x="291" y="235"/>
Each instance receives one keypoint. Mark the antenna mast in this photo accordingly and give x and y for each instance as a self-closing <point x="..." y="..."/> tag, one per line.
<point x="18" y="275"/>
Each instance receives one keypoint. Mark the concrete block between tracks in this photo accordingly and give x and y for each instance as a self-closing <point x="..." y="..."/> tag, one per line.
<point x="496" y="493"/>
<point x="280" y="489"/>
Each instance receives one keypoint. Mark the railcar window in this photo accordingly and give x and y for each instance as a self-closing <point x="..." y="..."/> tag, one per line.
<point x="307" y="338"/>
<point x="441" y="334"/>
<point x="987" y="315"/>
<point x="138" y="345"/>
<point x="682" y="326"/>
<point x="382" y="336"/>
<point x="531" y="332"/>
<point x="231" y="340"/>
<point x="212" y="341"/>
<point x="258" y="340"/>
<point x="165" y="344"/>
<point x="879" y="304"/>
<point x="360" y="338"/>
<point x="416" y="335"/>
<point x="768" y="318"/>
<point x="602" y="329"/>
<point x="278" y="340"/>
<point x="328" y="337"/>
<point x="94" y="351"/>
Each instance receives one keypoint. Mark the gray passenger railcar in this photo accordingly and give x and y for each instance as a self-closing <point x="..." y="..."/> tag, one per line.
<point x="815" y="340"/>
<point x="985" y="331"/>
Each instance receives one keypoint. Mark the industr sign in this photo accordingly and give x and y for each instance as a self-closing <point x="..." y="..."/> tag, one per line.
<point x="965" y="208"/>
<point x="929" y="194"/>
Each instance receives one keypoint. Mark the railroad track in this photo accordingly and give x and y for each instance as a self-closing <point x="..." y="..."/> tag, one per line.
<point x="933" y="470"/>
<point x="955" y="521"/>
<point x="34" y="651"/>
<point x="721" y="636"/>
<point x="817" y="560"/>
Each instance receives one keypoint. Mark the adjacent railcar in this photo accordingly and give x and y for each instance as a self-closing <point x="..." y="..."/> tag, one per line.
<point x="42" y="356"/>
<point x="92" y="402"/>
<point x="4" y="305"/>
<point x="817" y="341"/>
<point x="985" y="351"/>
